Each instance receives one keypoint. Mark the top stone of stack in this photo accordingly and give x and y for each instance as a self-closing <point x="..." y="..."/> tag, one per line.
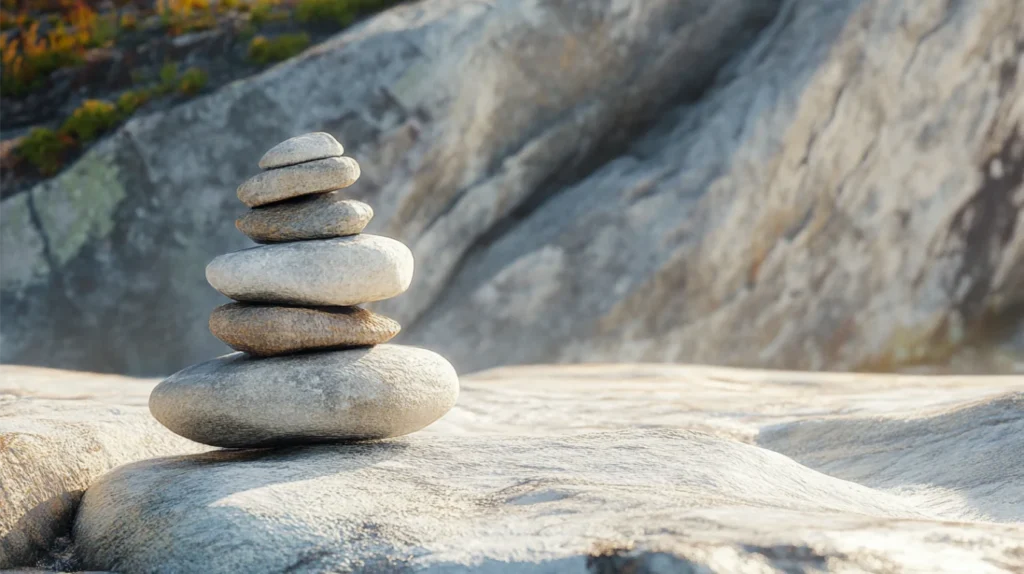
<point x="300" y="149"/>
<point x="303" y="165"/>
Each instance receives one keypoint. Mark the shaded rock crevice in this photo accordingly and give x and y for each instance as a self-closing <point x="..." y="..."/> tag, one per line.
<point x="44" y="237"/>
<point x="596" y="152"/>
<point x="985" y="225"/>
<point x="949" y="8"/>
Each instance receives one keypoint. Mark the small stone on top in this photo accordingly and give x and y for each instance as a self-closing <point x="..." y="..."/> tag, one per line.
<point x="300" y="149"/>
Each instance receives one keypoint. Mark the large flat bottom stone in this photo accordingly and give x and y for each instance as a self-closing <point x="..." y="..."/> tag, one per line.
<point x="239" y="401"/>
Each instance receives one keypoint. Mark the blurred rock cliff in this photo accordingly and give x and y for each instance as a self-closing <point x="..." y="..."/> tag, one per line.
<point x="809" y="184"/>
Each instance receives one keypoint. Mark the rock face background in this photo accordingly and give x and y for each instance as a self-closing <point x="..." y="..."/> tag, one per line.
<point x="790" y="183"/>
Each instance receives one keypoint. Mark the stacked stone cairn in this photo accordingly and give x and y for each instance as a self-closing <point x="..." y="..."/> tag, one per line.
<point x="312" y="366"/>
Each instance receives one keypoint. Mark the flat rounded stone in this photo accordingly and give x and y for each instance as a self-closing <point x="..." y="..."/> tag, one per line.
<point x="266" y="330"/>
<point x="238" y="401"/>
<point x="342" y="271"/>
<point x="317" y="216"/>
<point x="300" y="149"/>
<point x="284" y="183"/>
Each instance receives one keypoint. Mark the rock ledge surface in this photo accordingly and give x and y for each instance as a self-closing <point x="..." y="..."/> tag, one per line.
<point x="544" y="469"/>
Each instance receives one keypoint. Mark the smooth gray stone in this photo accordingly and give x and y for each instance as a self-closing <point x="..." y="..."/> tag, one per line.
<point x="238" y="401"/>
<point x="319" y="216"/>
<point x="342" y="271"/>
<point x="300" y="149"/>
<point x="267" y="330"/>
<point x="284" y="183"/>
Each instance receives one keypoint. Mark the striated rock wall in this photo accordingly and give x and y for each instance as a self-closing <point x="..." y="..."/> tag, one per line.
<point x="847" y="196"/>
<point x="430" y="98"/>
<point x="791" y="183"/>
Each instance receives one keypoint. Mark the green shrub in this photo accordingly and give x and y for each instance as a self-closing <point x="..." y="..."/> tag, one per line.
<point x="338" y="12"/>
<point x="90" y="120"/>
<point x="131" y="100"/>
<point x="104" y="31"/>
<point x="44" y="149"/>
<point x="129" y="22"/>
<point x="22" y="73"/>
<point x="366" y="6"/>
<point x="263" y="11"/>
<point x="266" y="51"/>
<point x="8" y="20"/>
<point x="51" y="61"/>
<point x="247" y="32"/>
<point x="192" y="81"/>
<point x="168" y="77"/>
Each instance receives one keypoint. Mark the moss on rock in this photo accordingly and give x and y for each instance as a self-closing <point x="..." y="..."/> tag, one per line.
<point x="22" y="245"/>
<point x="79" y="204"/>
